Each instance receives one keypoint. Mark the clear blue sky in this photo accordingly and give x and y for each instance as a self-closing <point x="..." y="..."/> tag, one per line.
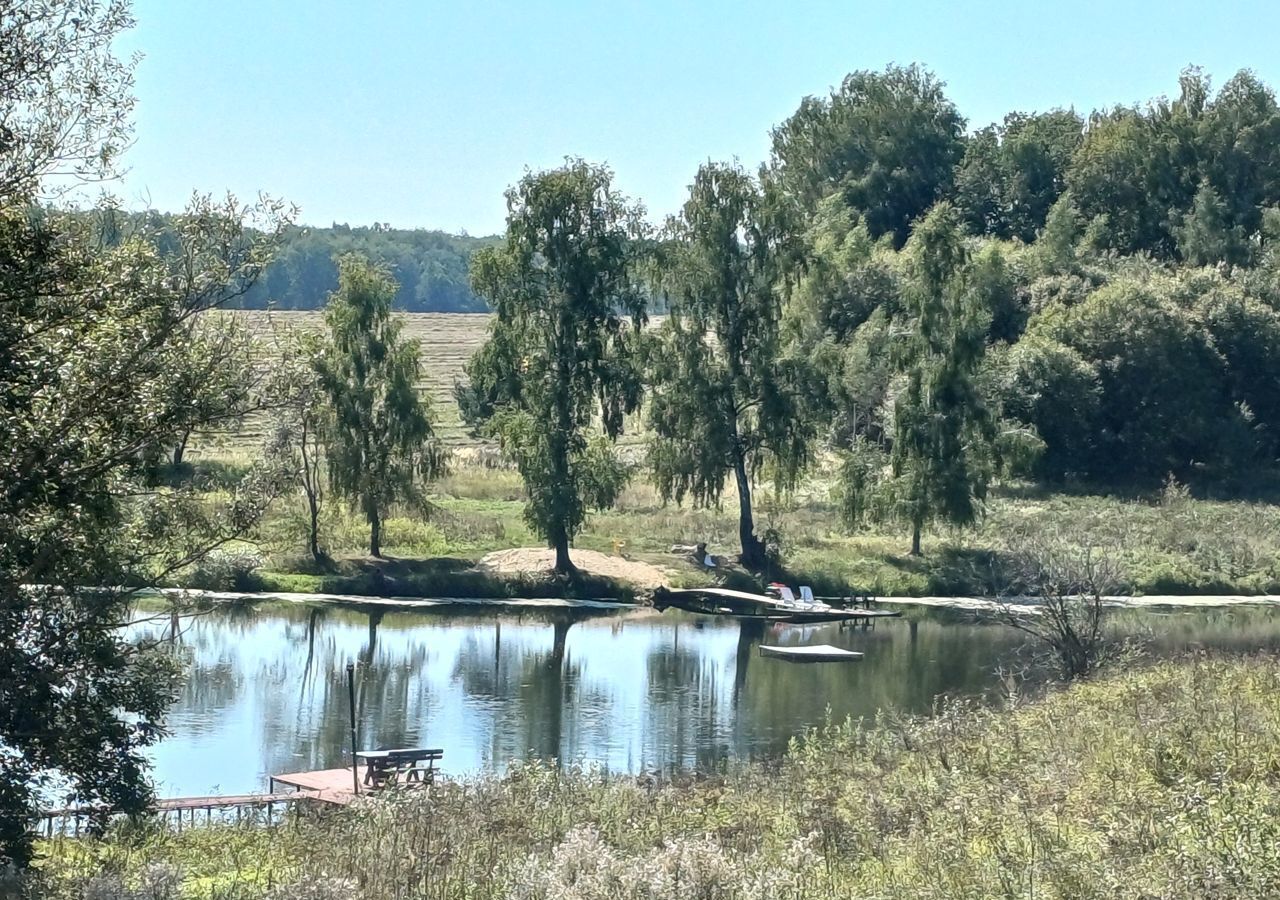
<point x="421" y="113"/>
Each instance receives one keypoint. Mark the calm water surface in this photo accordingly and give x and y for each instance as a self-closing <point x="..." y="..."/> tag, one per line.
<point x="631" y="690"/>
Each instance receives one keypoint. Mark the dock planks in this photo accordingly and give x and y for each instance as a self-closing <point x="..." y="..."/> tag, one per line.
<point x="327" y="785"/>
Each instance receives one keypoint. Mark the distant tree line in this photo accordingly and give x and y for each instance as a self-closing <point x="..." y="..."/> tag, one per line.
<point x="429" y="267"/>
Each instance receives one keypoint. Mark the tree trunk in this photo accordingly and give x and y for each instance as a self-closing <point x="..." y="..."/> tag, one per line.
<point x="310" y="486"/>
<point x="375" y="532"/>
<point x="752" y="549"/>
<point x="915" y="538"/>
<point x="314" y="537"/>
<point x="180" y="450"/>
<point x="560" y="542"/>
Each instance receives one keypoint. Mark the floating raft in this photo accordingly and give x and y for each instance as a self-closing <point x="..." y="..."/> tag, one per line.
<point x="726" y="602"/>
<point x="817" y="653"/>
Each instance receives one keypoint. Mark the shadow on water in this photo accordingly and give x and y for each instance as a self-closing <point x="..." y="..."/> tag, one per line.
<point x="631" y="690"/>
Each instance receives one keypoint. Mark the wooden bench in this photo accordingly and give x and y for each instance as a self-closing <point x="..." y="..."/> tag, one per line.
<point x="399" y="766"/>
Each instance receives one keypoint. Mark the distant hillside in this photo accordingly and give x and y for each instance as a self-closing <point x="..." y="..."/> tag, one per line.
<point x="431" y="267"/>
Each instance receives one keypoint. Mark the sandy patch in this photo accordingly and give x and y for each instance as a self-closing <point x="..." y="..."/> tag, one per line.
<point x="539" y="561"/>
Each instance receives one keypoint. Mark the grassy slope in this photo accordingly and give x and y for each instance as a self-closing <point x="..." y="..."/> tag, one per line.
<point x="1158" y="782"/>
<point x="1163" y="545"/>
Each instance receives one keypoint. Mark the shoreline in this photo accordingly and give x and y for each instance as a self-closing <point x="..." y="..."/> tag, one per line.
<point x="970" y="604"/>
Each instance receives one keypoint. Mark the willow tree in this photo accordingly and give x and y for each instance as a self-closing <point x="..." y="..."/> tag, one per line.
<point x="725" y="399"/>
<point x="943" y="434"/>
<point x="555" y="379"/>
<point x="379" y="440"/>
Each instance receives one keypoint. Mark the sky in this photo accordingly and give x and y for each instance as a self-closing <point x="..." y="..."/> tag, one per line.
<point x="420" y="114"/>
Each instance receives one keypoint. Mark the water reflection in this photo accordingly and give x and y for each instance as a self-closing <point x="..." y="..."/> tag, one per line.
<point x="631" y="690"/>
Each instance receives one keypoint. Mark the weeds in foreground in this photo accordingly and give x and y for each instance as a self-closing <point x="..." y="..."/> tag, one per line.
<point x="1156" y="782"/>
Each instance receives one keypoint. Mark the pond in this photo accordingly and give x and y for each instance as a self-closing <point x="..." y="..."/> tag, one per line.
<point x="630" y="690"/>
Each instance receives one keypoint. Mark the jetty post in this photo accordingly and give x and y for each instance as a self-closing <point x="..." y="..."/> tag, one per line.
<point x="351" y="707"/>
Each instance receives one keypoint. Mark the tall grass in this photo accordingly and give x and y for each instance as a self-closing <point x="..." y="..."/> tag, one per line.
<point x="1160" y="782"/>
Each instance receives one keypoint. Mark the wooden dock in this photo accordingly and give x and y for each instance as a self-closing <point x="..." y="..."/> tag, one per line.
<point x="743" y="605"/>
<point x="180" y="811"/>
<point x="333" y="786"/>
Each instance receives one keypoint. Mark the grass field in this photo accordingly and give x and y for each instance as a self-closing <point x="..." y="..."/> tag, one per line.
<point x="1167" y="542"/>
<point x="447" y="340"/>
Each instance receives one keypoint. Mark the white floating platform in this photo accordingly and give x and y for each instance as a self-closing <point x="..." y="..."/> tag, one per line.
<point x="817" y="653"/>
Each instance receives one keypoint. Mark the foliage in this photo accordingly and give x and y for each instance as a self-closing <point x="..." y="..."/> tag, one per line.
<point x="559" y="359"/>
<point x="1012" y="174"/>
<point x="1139" y="173"/>
<point x="65" y="98"/>
<point x="1161" y="393"/>
<point x="1206" y="237"/>
<point x="378" y="435"/>
<point x="1051" y="388"/>
<point x="429" y="267"/>
<point x="100" y="366"/>
<point x="724" y="396"/>
<point x="943" y="434"/>
<point x="301" y="418"/>
<point x="887" y="142"/>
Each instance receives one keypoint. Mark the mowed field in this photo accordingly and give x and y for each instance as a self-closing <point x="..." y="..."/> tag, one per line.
<point x="447" y="341"/>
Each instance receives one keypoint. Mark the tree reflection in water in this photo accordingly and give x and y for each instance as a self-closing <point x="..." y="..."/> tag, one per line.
<point x="631" y="690"/>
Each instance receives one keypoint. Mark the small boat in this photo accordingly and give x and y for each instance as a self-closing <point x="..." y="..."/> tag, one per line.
<point x="816" y="653"/>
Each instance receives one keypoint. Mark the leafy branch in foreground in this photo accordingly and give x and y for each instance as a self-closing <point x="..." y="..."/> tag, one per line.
<point x="99" y="365"/>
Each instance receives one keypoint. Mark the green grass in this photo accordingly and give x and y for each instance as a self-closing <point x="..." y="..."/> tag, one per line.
<point x="1167" y="543"/>
<point x="1160" y="781"/>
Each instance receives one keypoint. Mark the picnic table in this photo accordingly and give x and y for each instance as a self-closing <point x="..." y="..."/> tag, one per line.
<point x="404" y="766"/>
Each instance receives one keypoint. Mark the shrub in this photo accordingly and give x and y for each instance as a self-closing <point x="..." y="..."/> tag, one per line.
<point x="225" y="570"/>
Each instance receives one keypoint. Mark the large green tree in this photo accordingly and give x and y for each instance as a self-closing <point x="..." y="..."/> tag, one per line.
<point x="725" y="398"/>
<point x="1012" y="174"/>
<point x="559" y="367"/>
<point x="379" y="440"/>
<point x="887" y="141"/>
<point x="98" y="367"/>
<point x="943" y="434"/>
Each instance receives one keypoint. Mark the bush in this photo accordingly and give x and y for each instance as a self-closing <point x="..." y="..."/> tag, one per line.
<point x="225" y="570"/>
<point x="1164" y="405"/>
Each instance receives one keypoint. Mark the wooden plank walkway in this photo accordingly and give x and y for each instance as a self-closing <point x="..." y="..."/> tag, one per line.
<point x="326" y="785"/>
<point x="182" y="809"/>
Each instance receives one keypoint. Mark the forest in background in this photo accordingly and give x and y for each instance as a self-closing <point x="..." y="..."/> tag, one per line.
<point x="430" y="267"/>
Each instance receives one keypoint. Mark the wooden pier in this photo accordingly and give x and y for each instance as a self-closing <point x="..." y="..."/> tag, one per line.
<point x="177" y="811"/>
<point x="743" y="605"/>
<point x="320" y="787"/>
<point x="333" y="786"/>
